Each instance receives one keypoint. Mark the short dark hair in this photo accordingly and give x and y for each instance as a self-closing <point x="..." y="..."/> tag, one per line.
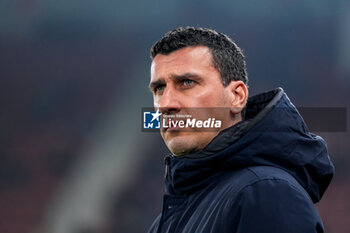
<point x="228" y="58"/>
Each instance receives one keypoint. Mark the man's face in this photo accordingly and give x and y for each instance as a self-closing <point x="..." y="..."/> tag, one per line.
<point x="183" y="80"/>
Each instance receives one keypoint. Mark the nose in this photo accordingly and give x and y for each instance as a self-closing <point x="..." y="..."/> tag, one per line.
<point x="169" y="102"/>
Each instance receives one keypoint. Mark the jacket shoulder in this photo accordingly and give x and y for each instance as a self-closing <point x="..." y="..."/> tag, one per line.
<point x="273" y="200"/>
<point x="258" y="175"/>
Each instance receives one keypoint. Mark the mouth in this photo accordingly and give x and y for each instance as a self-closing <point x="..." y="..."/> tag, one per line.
<point x="172" y="129"/>
<point x="171" y="125"/>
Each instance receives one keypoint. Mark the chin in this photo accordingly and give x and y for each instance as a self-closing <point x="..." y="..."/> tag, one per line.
<point x="181" y="145"/>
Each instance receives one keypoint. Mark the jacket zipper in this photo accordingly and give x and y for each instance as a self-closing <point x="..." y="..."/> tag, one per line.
<point x="167" y="168"/>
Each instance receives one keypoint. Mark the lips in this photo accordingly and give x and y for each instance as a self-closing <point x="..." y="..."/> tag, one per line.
<point x="168" y="125"/>
<point x="172" y="128"/>
<point x="171" y="124"/>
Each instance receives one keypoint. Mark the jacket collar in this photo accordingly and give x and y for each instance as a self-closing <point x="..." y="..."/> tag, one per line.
<point x="272" y="134"/>
<point x="188" y="173"/>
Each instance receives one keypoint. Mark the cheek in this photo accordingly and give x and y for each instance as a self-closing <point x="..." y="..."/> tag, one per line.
<point x="210" y="98"/>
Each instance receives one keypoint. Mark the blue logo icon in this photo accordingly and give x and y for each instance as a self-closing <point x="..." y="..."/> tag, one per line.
<point x="151" y="120"/>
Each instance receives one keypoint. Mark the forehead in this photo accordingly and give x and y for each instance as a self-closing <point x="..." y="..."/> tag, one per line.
<point x="189" y="59"/>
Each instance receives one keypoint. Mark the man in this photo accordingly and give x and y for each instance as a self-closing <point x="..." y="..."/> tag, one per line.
<point x="261" y="171"/>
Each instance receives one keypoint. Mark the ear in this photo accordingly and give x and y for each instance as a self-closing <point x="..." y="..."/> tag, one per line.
<point x="239" y="95"/>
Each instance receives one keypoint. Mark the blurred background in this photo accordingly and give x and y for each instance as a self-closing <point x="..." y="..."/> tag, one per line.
<point x="73" y="80"/>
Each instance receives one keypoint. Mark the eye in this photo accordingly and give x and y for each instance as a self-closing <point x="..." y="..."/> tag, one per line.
<point x="188" y="82"/>
<point x="159" y="89"/>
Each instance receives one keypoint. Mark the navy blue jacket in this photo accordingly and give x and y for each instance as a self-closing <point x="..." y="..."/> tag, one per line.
<point x="262" y="175"/>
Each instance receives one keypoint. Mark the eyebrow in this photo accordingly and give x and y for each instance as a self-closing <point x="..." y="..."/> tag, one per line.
<point x="157" y="83"/>
<point x="174" y="77"/>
